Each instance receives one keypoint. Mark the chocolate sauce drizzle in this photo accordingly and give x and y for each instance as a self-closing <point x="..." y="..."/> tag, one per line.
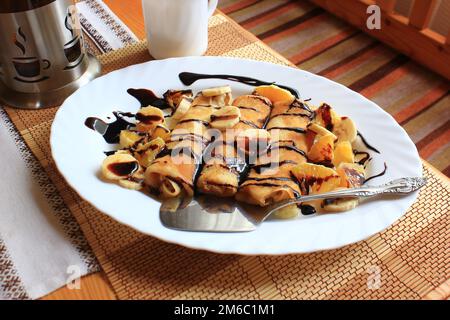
<point x="299" y="104"/>
<point x="306" y="209"/>
<point x="367" y="157"/>
<point x="260" y="168"/>
<point x="109" y="153"/>
<point x="325" y="110"/>
<point x="188" y="78"/>
<point x="364" y="159"/>
<point x="205" y="123"/>
<point x="148" y="97"/>
<point x="249" y="123"/>
<point x="145" y="119"/>
<point x="249" y="108"/>
<point x="110" y="131"/>
<point x="123" y="168"/>
<point x="368" y="146"/>
<point x="288" y="147"/>
<point x="377" y="175"/>
<point x="297" y="130"/>
<point x="270" y="178"/>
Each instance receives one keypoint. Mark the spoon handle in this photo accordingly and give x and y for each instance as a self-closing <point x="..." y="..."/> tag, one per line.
<point x="399" y="187"/>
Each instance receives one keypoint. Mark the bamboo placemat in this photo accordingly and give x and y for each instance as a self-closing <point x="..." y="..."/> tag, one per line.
<point x="408" y="260"/>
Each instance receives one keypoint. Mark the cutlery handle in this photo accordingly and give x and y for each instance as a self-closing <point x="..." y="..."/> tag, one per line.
<point x="400" y="187"/>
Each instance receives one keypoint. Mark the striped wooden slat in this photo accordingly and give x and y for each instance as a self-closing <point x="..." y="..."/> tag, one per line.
<point x="386" y="5"/>
<point x="421" y="13"/>
<point x="396" y="32"/>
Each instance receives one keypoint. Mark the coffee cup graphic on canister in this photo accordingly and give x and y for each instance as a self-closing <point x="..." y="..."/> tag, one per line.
<point x="28" y="69"/>
<point x="72" y="49"/>
<point x="73" y="53"/>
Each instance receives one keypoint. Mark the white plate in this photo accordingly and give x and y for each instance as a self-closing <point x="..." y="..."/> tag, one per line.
<point x="78" y="153"/>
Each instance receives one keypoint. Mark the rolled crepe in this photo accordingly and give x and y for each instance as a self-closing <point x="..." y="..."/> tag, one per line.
<point x="228" y="156"/>
<point x="269" y="180"/>
<point x="175" y="168"/>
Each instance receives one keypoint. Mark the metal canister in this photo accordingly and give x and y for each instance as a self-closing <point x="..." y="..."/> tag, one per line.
<point x="42" y="53"/>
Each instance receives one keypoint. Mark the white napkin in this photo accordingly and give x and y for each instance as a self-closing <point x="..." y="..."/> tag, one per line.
<point x="103" y="26"/>
<point x="34" y="225"/>
<point x="41" y="245"/>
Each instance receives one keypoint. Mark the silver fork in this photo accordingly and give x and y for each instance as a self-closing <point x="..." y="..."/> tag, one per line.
<point x="212" y="214"/>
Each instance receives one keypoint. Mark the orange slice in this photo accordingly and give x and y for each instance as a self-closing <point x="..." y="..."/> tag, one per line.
<point x="343" y="153"/>
<point x="319" y="178"/>
<point x="275" y="94"/>
<point x="322" y="149"/>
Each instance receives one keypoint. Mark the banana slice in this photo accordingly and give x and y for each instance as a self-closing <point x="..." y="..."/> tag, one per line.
<point x="222" y="100"/>
<point x="225" y="117"/>
<point x="182" y="108"/>
<point x="135" y="182"/>
<point x="170" y="123"/>
<point x="147" y="152"/>
<point x="279" y="194"/>
<point x="319" y="130"/>
<point x="143" y="128"/>
<point x="171" y="204"/>
<point x="339" y="205"/>
<point x="345" y="130"/>
<point x="119" y="166"/>
<point x="327" y="117"/>
<point x="169" y="188"/>
<point x="322" y="150"/>
<point x="128" y="138"/>
<point x="130" y="184"/>
<point x="161" y="131"/>
<point x="211" y="92"/>
<point x="150" y="117"/>
<point x="123" y="151"/>
<point x="173" y="97"/>
<point x="288" y="212"/>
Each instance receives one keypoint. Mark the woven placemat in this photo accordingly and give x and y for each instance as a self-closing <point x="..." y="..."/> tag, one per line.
<point x="408" y="260"/>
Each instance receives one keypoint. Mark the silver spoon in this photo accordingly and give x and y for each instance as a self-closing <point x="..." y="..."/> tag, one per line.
<point x="213" y="214"/>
